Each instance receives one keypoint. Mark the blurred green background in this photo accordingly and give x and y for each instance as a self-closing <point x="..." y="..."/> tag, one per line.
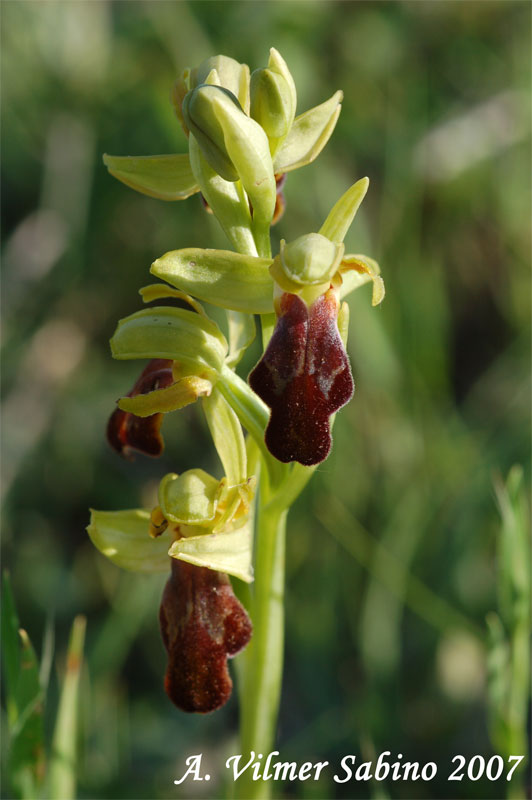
<point x="392" y="554"/>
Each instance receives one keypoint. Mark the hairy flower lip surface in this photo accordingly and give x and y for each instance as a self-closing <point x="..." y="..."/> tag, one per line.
<point x="304" y="376"/>
<point x="126" y="432"/>
<point x="202" y="625"/>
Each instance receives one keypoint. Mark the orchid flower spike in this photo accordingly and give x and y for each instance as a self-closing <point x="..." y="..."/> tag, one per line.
<point x="304" y="376"/>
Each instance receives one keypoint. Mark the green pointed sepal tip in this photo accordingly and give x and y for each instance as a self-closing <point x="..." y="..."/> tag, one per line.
<point x="166" y="177"/>
<point x="343" y="212"/>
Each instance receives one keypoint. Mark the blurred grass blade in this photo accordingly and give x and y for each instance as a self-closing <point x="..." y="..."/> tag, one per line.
<point x="62" y="771"/>
<point x="47" y="653"/>
<point x="10" y="647"/>
<point x="24" y="700"/>
<point x="509" y="688"/>
<point x="513" y="547"/>
<point x="498" y="672"/>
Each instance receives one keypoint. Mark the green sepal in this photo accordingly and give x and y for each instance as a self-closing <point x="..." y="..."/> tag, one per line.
<point x="190" y="498"/>
<point x="228" y="552"/>
<point x="174" y="333"/>
<point x="220" y="277"/>
<point x="343" y="212"/>
<point x="308" y="136"/>
<point x="123" y="536"/>
<point x="227" y="436"/>
<point x="168" y="177"/>
<point x="242" y="332"/>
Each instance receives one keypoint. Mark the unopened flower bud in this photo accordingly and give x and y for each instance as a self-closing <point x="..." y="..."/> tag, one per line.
<point x="233" y="144"/>
<point x="231" y="74"/>
<point x="273" y="97"/>
<point x="272" y="102"/>
<point x="201" y="115"/>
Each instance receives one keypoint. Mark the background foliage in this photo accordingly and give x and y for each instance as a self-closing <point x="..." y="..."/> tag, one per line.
<point x="392" y="563"/>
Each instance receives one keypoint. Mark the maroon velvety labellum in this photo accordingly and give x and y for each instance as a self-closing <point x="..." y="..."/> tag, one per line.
<point x="125" y="431"/>
<point x="304" y="377"/>
<point x="202" y="624"/>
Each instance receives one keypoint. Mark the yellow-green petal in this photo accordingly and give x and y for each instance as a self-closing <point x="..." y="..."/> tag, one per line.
<point x="343" y="212"/>
<point x="174" y="333"/>
<point x="343" y="322"/>
<point x="357" y="270"/>
<point x="227" y="436"/>
<point x="178" y="395"/>
<point x="308" y="136"/>
<point x="168" y="177"/>
<point x="189" y="498"/>
<point x="159" y="291"/>
<point x="221" y="277"/>
<point x="228" y="552"/>
<point x="123" y="536"/>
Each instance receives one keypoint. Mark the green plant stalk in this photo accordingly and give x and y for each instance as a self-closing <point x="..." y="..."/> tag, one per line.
<point x="261" y="665"/>
<point x="263" y="660"/>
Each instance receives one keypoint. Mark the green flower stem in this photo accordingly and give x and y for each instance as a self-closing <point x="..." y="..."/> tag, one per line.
<point x="253" y="415"/>
<point x="292" y="487"/>
<point x="261" y="234"/>
<point x="260" y="667"/>
<point x="227" y="201"/>
<point x="263" y="659"/>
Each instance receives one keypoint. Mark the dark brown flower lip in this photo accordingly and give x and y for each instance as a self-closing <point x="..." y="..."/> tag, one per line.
<point x="202" y="625"/>
<point x="304" y="376"/>
<point x="127" y="433"/>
